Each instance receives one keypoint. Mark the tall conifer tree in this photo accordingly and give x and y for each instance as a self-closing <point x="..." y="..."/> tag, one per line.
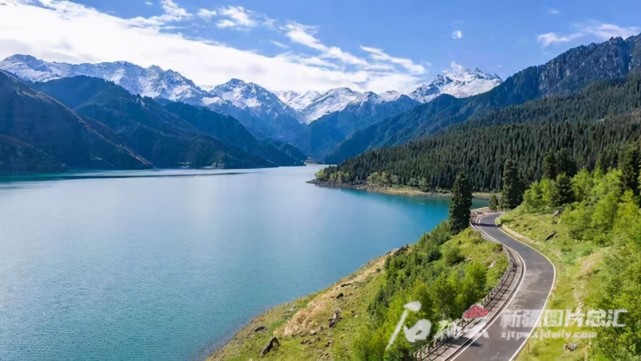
<point x="461" y="203"/>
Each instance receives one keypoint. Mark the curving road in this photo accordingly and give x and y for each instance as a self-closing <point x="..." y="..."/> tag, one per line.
<point x="507" y="333"/>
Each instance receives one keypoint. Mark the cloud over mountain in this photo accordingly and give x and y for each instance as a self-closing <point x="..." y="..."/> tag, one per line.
<point x="156" y="40"/>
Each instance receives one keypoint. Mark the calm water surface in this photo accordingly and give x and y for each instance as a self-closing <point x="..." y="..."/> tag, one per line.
<point x="132" y="266"/>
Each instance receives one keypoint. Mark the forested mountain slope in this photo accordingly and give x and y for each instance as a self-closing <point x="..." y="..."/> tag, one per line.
<point x="39" y="134"/>
<point x="592" y="127"/>
<point x="170" y="135"/>
<point x="566" y="74"/>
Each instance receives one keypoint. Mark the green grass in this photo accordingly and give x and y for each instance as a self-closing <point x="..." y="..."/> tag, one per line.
<point x="312" y="312"/>
<point x="575" y="263"/>
<point x="326" y="341"/>
<point x="475" y="248"/>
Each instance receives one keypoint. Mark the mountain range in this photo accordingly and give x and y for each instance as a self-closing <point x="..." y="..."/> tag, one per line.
<point x="39" y="134"/>
<point x="593" y="128"/>
<point x="564" y="75"/>
<point x="286" y="117"/>
<point x="125" y="116"/>
<point x="460" y="83"/>
<point x="83" y="122"/>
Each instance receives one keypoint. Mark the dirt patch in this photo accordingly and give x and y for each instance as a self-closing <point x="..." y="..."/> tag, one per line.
<point x="314" y="317"/>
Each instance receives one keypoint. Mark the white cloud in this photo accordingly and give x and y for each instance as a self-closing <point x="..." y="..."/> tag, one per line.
<point x="606" y="31"/>
<point x="172" y="12"/>
<point x="279" y="44"/>
<point x="71" y="32"/>
<point x="225" y="23"/>
<point x="596" y="30"/>
<point x="206" y="13"/>
<point x="408" y="64"/>
<point x="304" y="35"/>
<point x="237" y="17"/>
<point x="150" y="3"/>
<point x="456" y="68"/>
<point x="548" y="39"/>
<point x="456" y="34"/>
<point x="308" y="60"/>
<point x="553" y="11"/>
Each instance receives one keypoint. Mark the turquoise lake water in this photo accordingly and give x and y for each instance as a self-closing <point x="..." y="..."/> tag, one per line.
<point x="165" y="265"/>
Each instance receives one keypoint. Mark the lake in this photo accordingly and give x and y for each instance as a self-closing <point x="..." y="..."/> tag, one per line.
<point x="166" y="265"/>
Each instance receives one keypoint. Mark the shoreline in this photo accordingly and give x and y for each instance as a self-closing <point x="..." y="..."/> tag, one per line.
<point x="403" y="191"/>
<point x="286" y="309"/>
<point x="302" y="329"/>
<point x="271" y="321"/>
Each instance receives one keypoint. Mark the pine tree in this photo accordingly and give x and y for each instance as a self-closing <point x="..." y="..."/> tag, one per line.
<point x="630" y="169"/>
<point x="461" y="203"/>
<point x="513" y="187"/>
<point x="494" y="203"/>
<point x="565" y="163"/>
<point x="563" y="192"/>
<point x="549" y="166"/>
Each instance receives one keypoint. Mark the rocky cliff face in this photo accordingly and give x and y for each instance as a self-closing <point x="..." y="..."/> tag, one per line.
<point x="578" y="67"/>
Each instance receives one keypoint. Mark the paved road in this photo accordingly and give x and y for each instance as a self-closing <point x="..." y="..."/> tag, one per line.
<point x="506" y="335"/>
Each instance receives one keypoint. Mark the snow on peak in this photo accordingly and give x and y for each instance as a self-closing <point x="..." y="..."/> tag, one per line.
<point x="287" y="95"/>
<point x="332" y="101"/>
<point x="246" y="95"/>
<point x="298" y="101"/>
<point x="259" y="101"/>
<point x="459" y="81"/>
<point x="153" y="82"/>
<point x="29" y="68"/>
<point x="390" y="96"/>
<point x="461" y="74"/>
<point x="249" y="97"/>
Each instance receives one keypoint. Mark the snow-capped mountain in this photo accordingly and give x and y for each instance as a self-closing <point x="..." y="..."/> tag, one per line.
<point x="287" y="95"/>
<point x="390" y="95"/>
<point x="260" y="110"/>
<point x="153" y="81"/>
<point x="253" y="105"/>
<point x="332" y="101"/>
<point x="286" y="116"/>
<point x="255" y="99"/>
<point x="334" y="128"/>
<point x="368" y="109"/>
<point x="298" y="101"/>
<point x="459" y="82"/>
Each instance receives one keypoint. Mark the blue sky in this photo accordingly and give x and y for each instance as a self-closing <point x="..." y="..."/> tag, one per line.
<point x="368" y="45"/>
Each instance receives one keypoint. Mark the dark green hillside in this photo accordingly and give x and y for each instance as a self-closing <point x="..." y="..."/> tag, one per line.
<point x="566" y="74"/>
<point x="592" y="127"/>
<point x="164" y="138"/>
<point x="332" y="129"/>
<point x="42" y="135"/>
<point x="21" y="158"/>
<point x="229" y="129"/>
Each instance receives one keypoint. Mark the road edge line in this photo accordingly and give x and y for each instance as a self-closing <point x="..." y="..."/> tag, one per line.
<point x="505" y="305"/>
<point x="547" y="299"/>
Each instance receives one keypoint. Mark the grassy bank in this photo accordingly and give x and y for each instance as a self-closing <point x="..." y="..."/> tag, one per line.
<point x="396" y="190"/>
<point x="575" y="263"/>
<point x="302" y="325"/>
<point x="369" y="303"/>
